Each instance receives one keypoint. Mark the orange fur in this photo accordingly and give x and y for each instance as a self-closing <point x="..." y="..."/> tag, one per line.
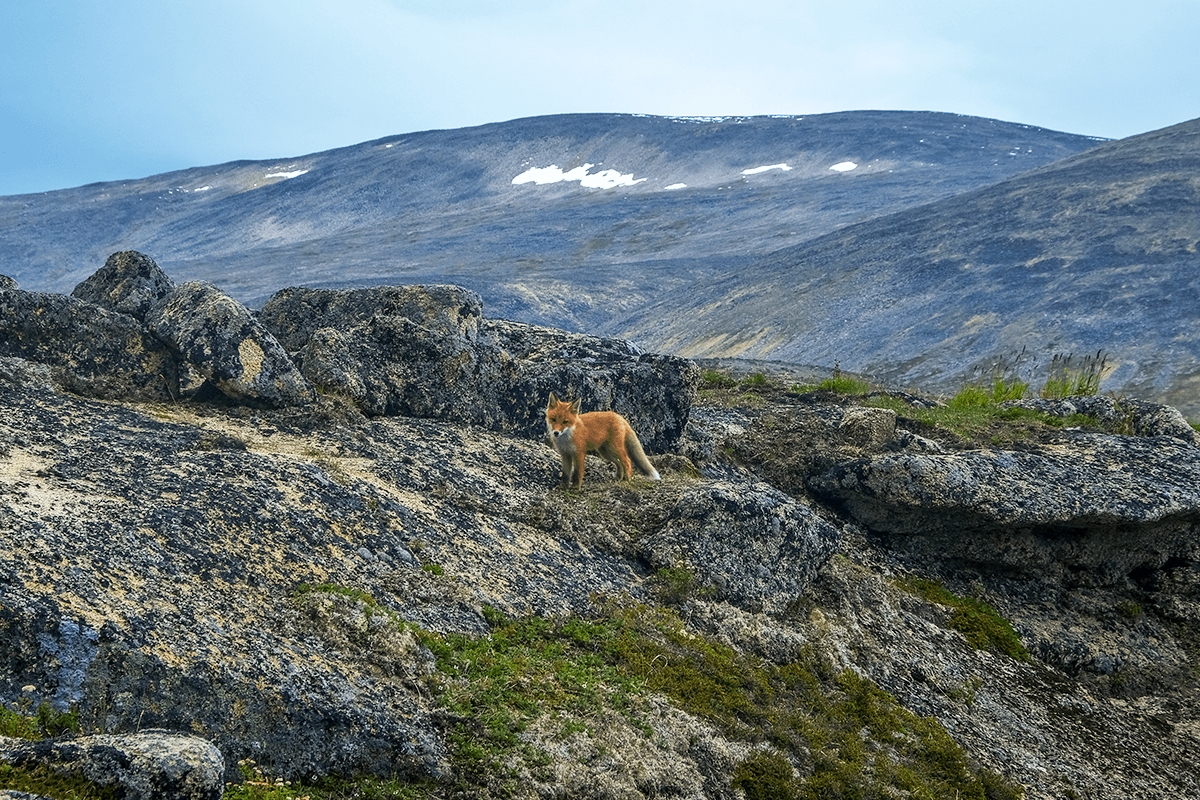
<point x="574" y="435"/>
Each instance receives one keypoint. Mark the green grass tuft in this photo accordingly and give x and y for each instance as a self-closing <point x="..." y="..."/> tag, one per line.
<point x="1072" y="378"/>
<point x="45" y="782"/>
<point x="844" y="384"/>
<point x="766" y="775"/>
<point x="716" y="379"/>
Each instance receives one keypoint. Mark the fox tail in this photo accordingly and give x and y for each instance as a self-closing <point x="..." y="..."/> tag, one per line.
<point x="638" y="456"/>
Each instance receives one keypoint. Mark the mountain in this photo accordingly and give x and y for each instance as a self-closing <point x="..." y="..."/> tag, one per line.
<point x="921" y="249"/>
<point x="1095" y="252"/>
<point x="690" y="196"/>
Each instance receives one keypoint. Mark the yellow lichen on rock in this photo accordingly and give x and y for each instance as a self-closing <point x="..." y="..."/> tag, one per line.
<point x="251" y="356"/>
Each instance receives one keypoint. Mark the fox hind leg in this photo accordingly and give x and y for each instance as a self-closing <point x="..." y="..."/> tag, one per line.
<point x="616" y="455"/>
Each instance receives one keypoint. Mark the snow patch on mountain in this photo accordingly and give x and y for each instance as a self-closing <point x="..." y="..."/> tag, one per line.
<point x="757" y="170"/>
<point x="605" y="179"/>
<point x="844" y="166"/>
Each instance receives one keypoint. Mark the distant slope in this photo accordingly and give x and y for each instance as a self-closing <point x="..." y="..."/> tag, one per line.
<point x="1097" y="251"/>
<point x="688" y="196"/>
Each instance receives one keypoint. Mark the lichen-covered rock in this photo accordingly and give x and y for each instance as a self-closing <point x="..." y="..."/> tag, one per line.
<point x="218" y="336"/>
<point x="868" y="427"/>
<point x="427" y="351"/>
<point x="11" y="794"/>
<point x="612" y="759"/>
<point x="1137" y="417"/>
<point x="294" y="315"/>
<point x="148" y="570"/>
<point x="7" y="282"/>
<point x="90" y="350"/>
<point x="754" y="544"/>
<point x="1099" y="506"/>
<point x="19" y="372"/>
<point x="1057" y="736"/>
<point x="128" y="283"/>
<point x="149" y="765"/>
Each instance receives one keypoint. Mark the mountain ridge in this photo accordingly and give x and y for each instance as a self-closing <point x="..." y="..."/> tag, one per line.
<point x="723" y="237"/>
<point x="194" y="218"/>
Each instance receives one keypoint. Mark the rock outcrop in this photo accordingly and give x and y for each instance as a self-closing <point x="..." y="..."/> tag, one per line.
<point x="218" y="336"/>
<point x="92" y="351"/>
<point x="759" y="549"/>
<point x="127" y="332"/>
<point x="1134" y="417"/>
<point x="129" y="283"/>
<point x="427" y="351"/>
<point x="1095" y="508"/>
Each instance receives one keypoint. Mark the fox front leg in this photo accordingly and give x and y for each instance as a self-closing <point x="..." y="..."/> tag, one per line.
<point x="572" y="472"/>
<point x="568" y="471"/>
<point x="577" y="477"/>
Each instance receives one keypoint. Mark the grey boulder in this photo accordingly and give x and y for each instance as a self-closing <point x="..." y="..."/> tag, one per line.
<point x="129" y="283"/>
<point x="90" y="350"/>
<point x="150" y="765"/>
<point x="750" y="542"/>
<point x="427" y="351"/>
<point x="1108" y="508"/>
<point x="218" y="336"/>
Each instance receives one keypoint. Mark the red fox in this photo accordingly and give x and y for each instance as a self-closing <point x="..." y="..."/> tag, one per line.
<point x="573" y="435"/>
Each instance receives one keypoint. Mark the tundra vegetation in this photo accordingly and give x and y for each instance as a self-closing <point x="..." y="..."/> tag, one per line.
<point x="851" y="738"/>
<point x="573" y="671"/>
<point x="980" y="413"/>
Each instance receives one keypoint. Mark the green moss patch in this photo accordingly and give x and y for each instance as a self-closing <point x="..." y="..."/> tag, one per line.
<point x="978" y="621"/>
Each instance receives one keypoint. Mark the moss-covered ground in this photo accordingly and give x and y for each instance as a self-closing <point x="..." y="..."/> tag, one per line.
<point x="816" y="732"/>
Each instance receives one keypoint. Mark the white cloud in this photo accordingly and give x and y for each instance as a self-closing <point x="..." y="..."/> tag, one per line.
<point x="606" y="179"/>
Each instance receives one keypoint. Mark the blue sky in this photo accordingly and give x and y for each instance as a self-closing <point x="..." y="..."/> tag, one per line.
<point x="95" y="90"/>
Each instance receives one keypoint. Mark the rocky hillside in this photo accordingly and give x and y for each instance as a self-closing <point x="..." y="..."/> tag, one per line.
<point x="328" y="537"/>
<point x="1097" y="251"/>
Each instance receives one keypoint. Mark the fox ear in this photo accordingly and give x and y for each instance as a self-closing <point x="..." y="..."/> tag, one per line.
<point x="553" y="401"/>
<point x="575" y="406"/>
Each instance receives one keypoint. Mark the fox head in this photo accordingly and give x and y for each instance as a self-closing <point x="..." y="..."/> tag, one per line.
<point x="560" y="416"/>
